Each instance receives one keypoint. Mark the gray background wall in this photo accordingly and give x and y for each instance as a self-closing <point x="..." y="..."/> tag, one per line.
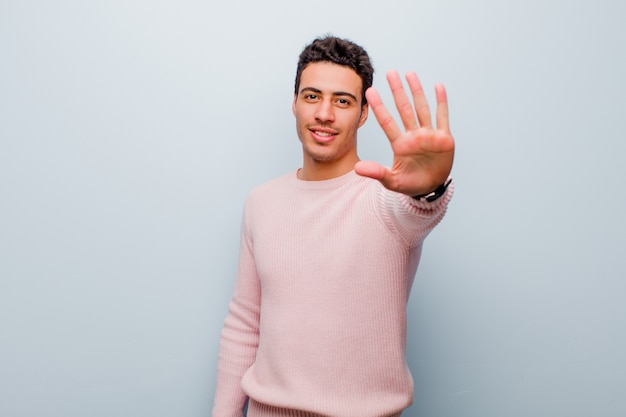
<point x="131" y="131"/>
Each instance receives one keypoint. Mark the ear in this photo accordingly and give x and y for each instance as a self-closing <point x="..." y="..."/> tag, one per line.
<point x="293" y="105"/>
<point x="364" y="114"/>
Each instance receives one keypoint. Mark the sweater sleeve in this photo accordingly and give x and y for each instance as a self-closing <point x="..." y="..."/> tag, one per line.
<point x="240" y="335"/>
<point x="409" y="219"/>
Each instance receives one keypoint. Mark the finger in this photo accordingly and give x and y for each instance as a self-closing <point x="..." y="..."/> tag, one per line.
<point x="419" y="98"/>
<point x="442" y="108"/>
<point x="371" y="169"/>
<point x="385" y="120"/>
<point x="403" y="104"/>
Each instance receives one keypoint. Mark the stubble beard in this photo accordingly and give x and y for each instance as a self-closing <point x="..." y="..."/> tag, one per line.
<point x="327" y="153"/>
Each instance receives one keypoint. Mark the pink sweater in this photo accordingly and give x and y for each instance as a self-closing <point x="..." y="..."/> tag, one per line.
<point x="317" y="321"/>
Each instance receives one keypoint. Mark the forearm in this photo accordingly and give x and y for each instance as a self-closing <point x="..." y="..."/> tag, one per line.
<point x="240" y="336"/>
<point x="412" y="219"/>
<point x="237" y="353"/>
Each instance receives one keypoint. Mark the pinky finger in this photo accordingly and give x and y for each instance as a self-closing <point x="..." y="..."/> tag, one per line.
<point x="442" y="108"/>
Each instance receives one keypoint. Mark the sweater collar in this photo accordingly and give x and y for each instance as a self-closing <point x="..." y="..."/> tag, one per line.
<point x="322" y="184"/>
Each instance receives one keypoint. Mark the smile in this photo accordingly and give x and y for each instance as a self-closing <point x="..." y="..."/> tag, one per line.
<point x="323" y="135"/>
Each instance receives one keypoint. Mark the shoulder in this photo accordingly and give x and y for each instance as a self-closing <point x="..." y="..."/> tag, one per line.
<point x="278" y="184"/>
<point x="270" y="192"/>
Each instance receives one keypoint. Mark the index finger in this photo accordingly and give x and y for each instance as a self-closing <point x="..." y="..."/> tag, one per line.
<point x="384" y="118"/>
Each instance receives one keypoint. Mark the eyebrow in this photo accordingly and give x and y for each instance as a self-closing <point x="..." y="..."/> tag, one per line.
<point x="336" y="93"/>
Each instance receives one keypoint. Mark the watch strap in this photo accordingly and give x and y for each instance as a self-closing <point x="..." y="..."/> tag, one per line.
<point x="432" y="196"/>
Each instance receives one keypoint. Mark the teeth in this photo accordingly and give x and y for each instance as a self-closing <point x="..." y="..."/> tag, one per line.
<point x="323" y="133"/>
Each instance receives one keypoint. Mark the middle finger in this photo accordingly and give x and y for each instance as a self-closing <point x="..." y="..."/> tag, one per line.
<point x="419" y="98"/>
<point x="403" y="104"/>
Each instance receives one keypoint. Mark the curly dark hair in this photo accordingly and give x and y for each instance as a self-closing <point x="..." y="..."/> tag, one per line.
<point x="337" y="51"/>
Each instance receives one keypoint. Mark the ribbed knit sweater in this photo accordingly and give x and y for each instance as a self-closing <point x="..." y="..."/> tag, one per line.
<point x="317" y="322"/>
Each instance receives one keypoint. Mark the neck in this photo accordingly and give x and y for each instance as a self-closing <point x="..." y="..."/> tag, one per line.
<point x="318" y="171"/>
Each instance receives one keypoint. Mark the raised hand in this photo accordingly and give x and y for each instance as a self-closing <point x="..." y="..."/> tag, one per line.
<point x="422" y="154"/>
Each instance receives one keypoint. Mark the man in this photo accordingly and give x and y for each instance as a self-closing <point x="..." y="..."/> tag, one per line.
<point x="317" y="321"/>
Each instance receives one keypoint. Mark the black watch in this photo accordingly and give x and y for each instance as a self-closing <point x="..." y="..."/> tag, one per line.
<point x="430" y="197"/>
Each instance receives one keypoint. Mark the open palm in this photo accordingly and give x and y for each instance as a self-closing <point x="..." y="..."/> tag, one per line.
<point x="423" y="154"/>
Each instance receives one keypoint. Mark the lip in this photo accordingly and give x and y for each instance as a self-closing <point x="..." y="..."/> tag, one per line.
<point x="330" y="134"/>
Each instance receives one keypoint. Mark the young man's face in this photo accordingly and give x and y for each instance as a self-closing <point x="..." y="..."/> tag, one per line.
<point x="328" y="109"/>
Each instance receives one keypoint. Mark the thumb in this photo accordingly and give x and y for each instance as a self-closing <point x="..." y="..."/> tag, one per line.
<point x="371" y="169"/>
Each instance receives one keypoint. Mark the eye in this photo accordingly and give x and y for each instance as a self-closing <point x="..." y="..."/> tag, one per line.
<point x="311" y="97"/>
<point x="342" y="102"/>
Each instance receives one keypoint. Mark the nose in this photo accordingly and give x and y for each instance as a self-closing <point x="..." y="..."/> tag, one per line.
<point x="324" y="112"/>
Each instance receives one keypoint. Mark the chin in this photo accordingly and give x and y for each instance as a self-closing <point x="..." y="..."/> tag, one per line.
<point x="321" y="158"/>
<point x="321" y="154"/>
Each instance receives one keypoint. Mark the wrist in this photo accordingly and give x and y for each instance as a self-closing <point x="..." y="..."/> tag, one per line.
<point x="434" y="195"/>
